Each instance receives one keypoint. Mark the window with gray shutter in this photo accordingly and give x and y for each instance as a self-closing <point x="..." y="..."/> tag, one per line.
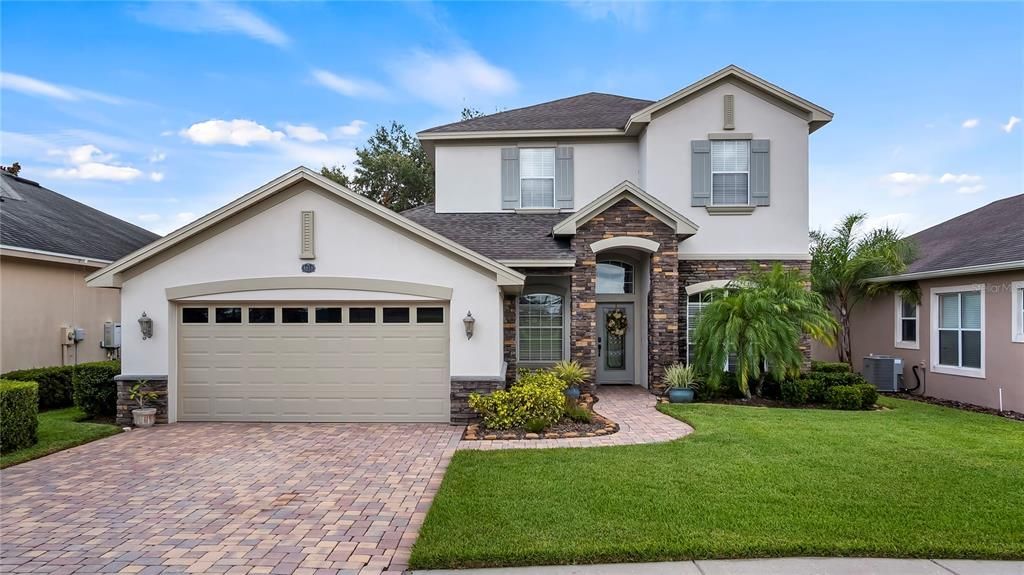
<point x="537" y="177"/>
<point x="509" y="178"/>
<point x="730" y="172"/>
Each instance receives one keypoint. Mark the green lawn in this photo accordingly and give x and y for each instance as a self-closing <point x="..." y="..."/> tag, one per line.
<point x="59" y="429"/>
<point x="916" y="480"/>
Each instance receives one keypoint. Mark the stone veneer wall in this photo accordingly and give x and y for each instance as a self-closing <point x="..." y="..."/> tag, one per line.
<point x="461" y="414"/>
<point x="697" y="271"/>
<point x="510" y="307"/>
<point x="125" y="404"/>
<point x="626" y="219"/>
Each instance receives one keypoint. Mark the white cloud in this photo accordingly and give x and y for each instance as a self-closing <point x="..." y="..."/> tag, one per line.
<point x="1008" y="126"/>
<point x="235" y="132"/>
<point x="148" y="218"/>
<point x="948" y="178"/>
<point x="631" y="13"/>
<point x="906" y="178"/>
<point x="349" y="130"/>
<point x="98" y="171"/>
<point x="36" y="87"/>
<point x="970" y="123"/>
<point x="83" y="154"/>
<point x="352" y="87"/>
<point x="305" y="133"/>
<point x="451" y="80"/>
<point x="157" y="157"/>
<point x="156" y="176"/>
<point x="216" y="17"/>
<point x="970" y="189"/>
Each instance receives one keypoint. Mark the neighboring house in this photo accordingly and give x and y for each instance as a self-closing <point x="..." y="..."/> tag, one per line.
<point x="967" y="331"/>
<point x="588" y="228"/>
<point x="49" y="243"/>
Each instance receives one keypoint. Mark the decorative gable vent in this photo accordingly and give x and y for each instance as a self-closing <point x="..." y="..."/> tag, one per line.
<point x="307" y="252"/>
<point x="730" y="112"/>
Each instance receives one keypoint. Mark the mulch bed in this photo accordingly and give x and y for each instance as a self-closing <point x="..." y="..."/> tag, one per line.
<point x="564" y="429"/>
<point x="773" y="403"/>
<point x="1015" y="415"/>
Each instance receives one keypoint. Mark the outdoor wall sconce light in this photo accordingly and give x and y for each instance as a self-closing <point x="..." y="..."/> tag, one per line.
<point x="146" y="323"/>
<point x="469" y="321"/>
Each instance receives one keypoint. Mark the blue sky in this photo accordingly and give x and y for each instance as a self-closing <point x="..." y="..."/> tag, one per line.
<point x="159" y="113"/>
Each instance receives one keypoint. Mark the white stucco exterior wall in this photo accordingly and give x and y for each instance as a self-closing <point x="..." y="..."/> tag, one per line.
<point x="468" y="177"/>
<point x="348" y="244"/>
<point x="780" y="229"/>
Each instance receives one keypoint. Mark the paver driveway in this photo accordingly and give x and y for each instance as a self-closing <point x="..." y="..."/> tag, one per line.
<point x="227" y="498"/>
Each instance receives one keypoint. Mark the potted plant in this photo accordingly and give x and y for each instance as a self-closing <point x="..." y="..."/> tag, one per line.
<point x="143" y="416"/>
<point x="573" y="374"/>
<point x="681" y="381"/>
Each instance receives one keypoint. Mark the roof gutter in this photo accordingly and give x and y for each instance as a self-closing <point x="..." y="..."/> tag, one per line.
<point x="15" y="251"/>
<point x="951" y="272"/>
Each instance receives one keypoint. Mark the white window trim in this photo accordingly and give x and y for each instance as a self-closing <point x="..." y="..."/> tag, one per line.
<point x="545" y="289"/>
<point x="713" y="172"/>
<point x="554" y="192"/>
<point x="978" y="373"/>
<point x="916" y="344"/>
<point x="1017" y="324"/>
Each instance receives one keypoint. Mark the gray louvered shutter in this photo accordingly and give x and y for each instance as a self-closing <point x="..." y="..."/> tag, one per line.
<point x="563" y="177"/>
<point x="760" y="175"/>
<point x="700" y="173"/>
<point x="509" y="178"/>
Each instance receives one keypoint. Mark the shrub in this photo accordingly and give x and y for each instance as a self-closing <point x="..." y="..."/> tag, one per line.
<point x="679" y="376"/>
<point x="536" y="425"/>
<point x="577" y="413"/>
<point x="830" y="367"/>
<point x="730" y="387"/>
<point x="843" y="397"/>
<point x="19" y="412"/>
<point x="832" y="379"/>
<point x="95" y="390"/>
<point x="571" y="372"/>
<point x="815" y="390"/>
<point x="55" y="390"/>
<point x="536" y="395"/>
<point x="868" y="395"/>
<point x="795" y="391"/>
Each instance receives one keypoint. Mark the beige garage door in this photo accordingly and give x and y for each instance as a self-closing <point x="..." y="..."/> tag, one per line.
<point x="313" y="362"/>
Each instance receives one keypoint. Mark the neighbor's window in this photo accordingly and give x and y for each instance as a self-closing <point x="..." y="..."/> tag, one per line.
<point x="1018" y="311"/>
<point x="960" y="329"/>
<point x="261" y="315"/>
<point x="906" y="323"/>
<point x="614" y="277"/>
<point x="362" y="315"/>
<point x="327" y="315"/>
<point x="537" y="177"/>
<point x="228" y="315"/>
<point x="295" y="315"/>
<point x="540" y="327"/>
<point x="195" y="315"/>
<point x="730" y="172"/>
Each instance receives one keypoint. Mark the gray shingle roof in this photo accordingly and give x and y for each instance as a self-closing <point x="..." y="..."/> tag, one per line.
<point x="499" y="236"/>
<point x="991" y="234"/>
<point x="586" y="111"/>
<point x="44" y="220"/>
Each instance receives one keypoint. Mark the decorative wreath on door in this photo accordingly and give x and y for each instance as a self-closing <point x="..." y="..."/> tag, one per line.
<point x="617" y="322"/>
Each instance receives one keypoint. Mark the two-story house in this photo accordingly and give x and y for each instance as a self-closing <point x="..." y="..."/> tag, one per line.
<point x="587" y="228"/>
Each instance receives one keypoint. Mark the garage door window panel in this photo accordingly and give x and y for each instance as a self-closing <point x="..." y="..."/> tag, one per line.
<point x="262" y="315"/>
<point x="195" y="315"/>
<point x="396" y="315"/>
<point x="228" y="315"/>
<point x="362" y="315"/>
<point x="328" y="315"/>
<point x="295" y="315"/>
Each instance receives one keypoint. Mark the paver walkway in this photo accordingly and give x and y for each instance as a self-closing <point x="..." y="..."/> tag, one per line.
<point x="227" y="498"/>
<point x="632" y="407"/>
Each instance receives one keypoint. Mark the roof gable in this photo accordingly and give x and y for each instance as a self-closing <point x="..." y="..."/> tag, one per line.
<point x="629" y="191"/>
<point x="815" y="115"/>
<point x="35" y="218"/>
<point x="110" y="276"/>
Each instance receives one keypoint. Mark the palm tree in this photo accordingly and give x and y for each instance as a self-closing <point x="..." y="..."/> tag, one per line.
<point x="759" y="321"/>
<point x="843" y="261"/>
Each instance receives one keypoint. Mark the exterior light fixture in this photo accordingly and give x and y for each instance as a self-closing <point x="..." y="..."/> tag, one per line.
<point x="146" y="323"/>
<point x="469" y="321"/>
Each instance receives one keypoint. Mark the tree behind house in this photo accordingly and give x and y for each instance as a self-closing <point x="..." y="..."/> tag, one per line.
<point x="842" y="261"/>
<point x="392" y="170"/>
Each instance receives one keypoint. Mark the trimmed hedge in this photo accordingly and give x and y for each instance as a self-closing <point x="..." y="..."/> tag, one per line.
<point x="94" y="388"/>
<point x="830" y="367"/>
<point x="868" y="395"/>
<point x="19" y="412"/>
<point x="843" y="397"/>
<point x="55" y="388"/>
<point x="795" y="391"/>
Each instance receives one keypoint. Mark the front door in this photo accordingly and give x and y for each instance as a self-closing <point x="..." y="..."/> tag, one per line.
<point x="615" y="343"/>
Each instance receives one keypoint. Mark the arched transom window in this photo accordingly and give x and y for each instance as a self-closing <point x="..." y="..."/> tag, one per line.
<point x="614" y="277"/>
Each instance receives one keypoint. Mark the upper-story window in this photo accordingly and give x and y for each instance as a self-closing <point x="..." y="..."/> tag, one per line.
<point x="537" y="177"/>
<point x="730" y="172"/>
